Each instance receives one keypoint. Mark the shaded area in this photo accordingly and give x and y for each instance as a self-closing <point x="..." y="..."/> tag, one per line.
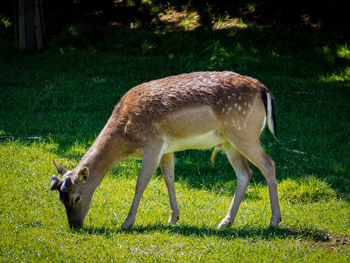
<point x="62" y="18"/>
<point x="311" y="237"/>
<point x="330" y="15"/>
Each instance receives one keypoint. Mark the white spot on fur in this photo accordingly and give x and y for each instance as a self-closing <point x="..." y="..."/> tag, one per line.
<point x="229" y="97"/>
<point x="239" y="107"/>
<point x="240" y="97"/>
<point x="236" y="105"/>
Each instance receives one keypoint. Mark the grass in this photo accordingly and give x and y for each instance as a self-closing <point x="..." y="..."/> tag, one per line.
<point x="65" y="94"/>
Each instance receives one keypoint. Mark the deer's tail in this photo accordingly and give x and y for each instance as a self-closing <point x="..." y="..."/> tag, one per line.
<point x="269" y="103"/>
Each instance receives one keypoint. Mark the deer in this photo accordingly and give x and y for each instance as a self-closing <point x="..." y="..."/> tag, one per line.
<point x="199" y="110"/>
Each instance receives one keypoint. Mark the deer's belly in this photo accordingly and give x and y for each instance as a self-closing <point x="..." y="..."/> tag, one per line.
<point x="175" y="144"/>
<point x="201" y="141"/>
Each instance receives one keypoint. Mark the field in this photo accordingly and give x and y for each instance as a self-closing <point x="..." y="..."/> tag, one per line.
<point x="65" y="94"/>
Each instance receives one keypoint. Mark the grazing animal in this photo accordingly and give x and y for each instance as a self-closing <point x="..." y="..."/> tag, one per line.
<point x="153" y="120"/>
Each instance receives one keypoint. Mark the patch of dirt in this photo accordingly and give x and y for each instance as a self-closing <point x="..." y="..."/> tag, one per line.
<point x="319" y="239"/>
<point x="332" y="243"/>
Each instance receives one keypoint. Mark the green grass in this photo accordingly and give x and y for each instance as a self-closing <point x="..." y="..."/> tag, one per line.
<point x="65" y="95"/>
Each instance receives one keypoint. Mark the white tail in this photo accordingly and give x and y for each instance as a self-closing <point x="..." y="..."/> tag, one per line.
<point x="190" y="111"/>
<point x="271" y="123"/>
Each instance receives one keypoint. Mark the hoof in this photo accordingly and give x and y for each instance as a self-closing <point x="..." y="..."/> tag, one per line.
<point x="173" y="219"/>
<point x="274" y="222"/>
<point x="126" y="225"/>
<point x="224" y="224"/>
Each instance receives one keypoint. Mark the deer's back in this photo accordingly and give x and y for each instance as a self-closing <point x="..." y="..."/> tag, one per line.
<point x="226" y="94"/>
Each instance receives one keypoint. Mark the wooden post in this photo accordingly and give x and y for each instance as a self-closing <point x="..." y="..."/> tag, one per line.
<point x="30" y="43"/>
<point x="29" y="30"/>
<point x="38" y="24"/>
<point x="21" y="24"/>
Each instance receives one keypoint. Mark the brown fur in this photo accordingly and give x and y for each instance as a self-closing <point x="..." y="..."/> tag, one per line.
<point x="146" y="104"/>
<point x="195" y="110"/>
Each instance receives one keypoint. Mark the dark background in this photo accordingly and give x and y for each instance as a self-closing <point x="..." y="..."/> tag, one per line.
<point x="312" y="15"/>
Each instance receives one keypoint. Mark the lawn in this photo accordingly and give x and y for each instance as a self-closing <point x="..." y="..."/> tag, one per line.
<point x="64" y="95"/>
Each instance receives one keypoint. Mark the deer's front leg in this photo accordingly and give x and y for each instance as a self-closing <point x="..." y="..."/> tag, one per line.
<point x="150" y="161"/>
<point x="167" y="167"/>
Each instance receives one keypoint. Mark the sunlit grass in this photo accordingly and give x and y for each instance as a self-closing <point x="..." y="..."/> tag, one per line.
<point x="344" y="51"/>
<point x="342" y="76"/>
<point x="184" y="19"/>
<point x="35" y="226"/>
<point x="226" y="22"/>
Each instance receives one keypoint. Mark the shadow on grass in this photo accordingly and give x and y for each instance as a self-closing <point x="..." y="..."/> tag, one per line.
<point x="268" y="233"/>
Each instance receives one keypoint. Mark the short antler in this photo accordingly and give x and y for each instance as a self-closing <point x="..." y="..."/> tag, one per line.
<point x="56" y="183"/>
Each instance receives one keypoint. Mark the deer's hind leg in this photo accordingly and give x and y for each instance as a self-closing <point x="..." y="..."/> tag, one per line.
<point x="243" y="173"/>
<point x="252" y="150"/>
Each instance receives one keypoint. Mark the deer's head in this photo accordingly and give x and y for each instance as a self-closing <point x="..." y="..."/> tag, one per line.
<point x="73" y="192"/>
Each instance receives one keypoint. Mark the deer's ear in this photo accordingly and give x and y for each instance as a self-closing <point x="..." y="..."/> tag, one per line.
<point x="83" y="174"/>
<point x="61" y="170"/>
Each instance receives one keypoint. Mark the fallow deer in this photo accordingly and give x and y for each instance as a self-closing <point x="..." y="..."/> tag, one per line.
<point x="153" y="120"/>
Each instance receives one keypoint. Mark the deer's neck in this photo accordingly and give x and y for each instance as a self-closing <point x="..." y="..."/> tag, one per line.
<point x="107" y="151"/>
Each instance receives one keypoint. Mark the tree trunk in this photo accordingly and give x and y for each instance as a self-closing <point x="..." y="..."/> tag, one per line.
<point x="29" y="29"/>
<point x="39" y="24"/>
